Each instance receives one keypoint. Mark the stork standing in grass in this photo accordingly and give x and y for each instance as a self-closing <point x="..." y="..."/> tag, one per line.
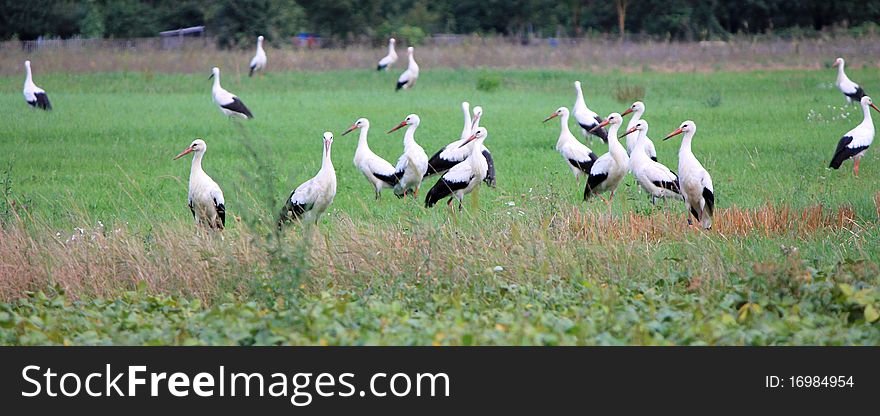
<point x="455" y="152"/>
<point x="258" y="62"/>
<point x="655" y="178"/>
<point x="230" y="105"/>
<point x="309" y="200"/>
<point x="378" y="171"/>
<point x="413" y="163"/>
<point x="693" y="180"/>
<point x="586" y="118"/>
<point x="464" y="177"/>
<point x="579" y="157"/>
<point x="205" y="198"/>
<point x="388" y="60"/>
<point x="409" y="77"/>
<point x="609" y="170"/>
<point x="850" y="89"/>
<point x="35" y="96"/>
<point x="637" y="109"/>
<point x="855" y="142"/>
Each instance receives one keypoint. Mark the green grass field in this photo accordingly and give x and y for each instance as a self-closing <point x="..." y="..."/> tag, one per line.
<point x="104" y="154"/>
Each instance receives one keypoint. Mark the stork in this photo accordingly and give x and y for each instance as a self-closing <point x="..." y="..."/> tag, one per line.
<point x="655" y="178"/>
<point x="464" y="177"/>
<point x="413" y="163"/>
<point x="608" y="171"/>
<point x="455" y="152"/>
<point x="258" y="62"/>
<point x="309" y="200"/>
<point x="586" y="118"/>
<point x="694" y="182"/>
<point x="408" y="78"/>
<point x="229" y="103"/>
<point x="580" y="158"/>
<point x="855" y="142"/>
<point x="205" y="199"/>
<point x="35" y="96"/>
<point x="637" y="109"/>
<point x="851" y="90"/>
<point x="378" y="171"/>
<point x="388" y="60"/>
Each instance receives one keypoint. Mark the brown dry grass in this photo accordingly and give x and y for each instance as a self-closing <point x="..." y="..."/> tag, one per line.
<point x="173" y="259"/>
<point x="584" y="54"/>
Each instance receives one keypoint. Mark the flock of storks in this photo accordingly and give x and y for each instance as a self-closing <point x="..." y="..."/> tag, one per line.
<point x="465" y="163"/>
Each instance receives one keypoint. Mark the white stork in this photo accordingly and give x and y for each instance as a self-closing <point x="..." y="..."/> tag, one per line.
<point x="309" y="200"/>
<point x="35" y="96"/>
<point x="851" y="90"/>
<point x="579" y="157"/>
<point x="388" y="60"/>
<point x="409" y="77"/>
<point x="655" y="178"/>
<point x="608" y="171"/>
<point x="229" y="103"/>
<point x="637" y="109"/>
<point x="413" y="163"/>
<point x="378" y="171"/>
<point x="586" y="118"/>
<point x="205" y="199"/>
<point x="455" y="152"/>
<point x="464" y="177"/>
<point x="693" y="180"/>
<point x="855" y="142"/>
<point x="258" y="62"/>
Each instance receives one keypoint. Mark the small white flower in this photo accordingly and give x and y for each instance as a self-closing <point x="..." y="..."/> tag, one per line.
<point x="498" y="269"/>
<point x="511" y="204"/>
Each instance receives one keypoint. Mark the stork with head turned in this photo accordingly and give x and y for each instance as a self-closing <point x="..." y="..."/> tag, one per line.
<point x="855" y="142"/>
<point x="586" y="118"/>
<point x="609" y="170"/>
<point x="850" y="89"/>
<point x="655" y="178"/>
<point x="464" y="177"/>
<point x="308" y="201"/>
<point x="258" y="62"/>
<point x="230" y="105"/>
<point x="35" y="96"/>
<point x="638" y="110"/>
<point x="378" y="171"/>
<point x="205" y="199"/>
<point x="388" y="60"/>
<point x="413" y="163"/>
<point x="693" y="180"/>
<point x="409" y="77"/>
<point x="457" y="151"/>
<point x="580" y="158"/>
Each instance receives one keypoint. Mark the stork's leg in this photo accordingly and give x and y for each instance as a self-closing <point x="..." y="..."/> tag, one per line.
<point x="856" y="165"/>
<point x="449" y="202"/>
<point x="653" y="199"/>
<point x="611" y="198"/>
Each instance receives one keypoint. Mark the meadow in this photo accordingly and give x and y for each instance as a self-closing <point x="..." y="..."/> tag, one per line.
<point x="98" y="246"/>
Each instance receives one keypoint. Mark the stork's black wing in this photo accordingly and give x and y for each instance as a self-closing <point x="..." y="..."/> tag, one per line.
<point x="442" y="189"/>
<point x="844" y="152"/>
<point x="239" y="107"/>
<point x="490" y="173"/>
<point x="221" y="214"/>
<point x="857" y="95"/>
<point x="42" y="101"/>
<point x="437" y="164"/>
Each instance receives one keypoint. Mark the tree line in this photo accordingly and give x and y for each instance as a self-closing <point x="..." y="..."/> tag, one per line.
<point x="239" y="21"/>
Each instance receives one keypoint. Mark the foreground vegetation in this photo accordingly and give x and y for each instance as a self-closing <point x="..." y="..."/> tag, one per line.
<point x="96" y="246"/>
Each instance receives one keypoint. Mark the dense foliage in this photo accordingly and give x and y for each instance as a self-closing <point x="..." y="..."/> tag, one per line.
<point x="232" y="20"/>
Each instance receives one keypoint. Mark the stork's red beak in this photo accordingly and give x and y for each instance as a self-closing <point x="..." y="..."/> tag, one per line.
<point x="350" y="129"/>
<point x="470" y="139"/>
<point x="628" y="110"/>
<point x="600" y="125"/>
<point x="875" y="107"/>
<point x="552" y="116"/>
<point x="399" y="126"/>
<point x="476" y="120"/>
<point x="186" y="151"/>
<point x="627" y="133"/>
<point x="675" y="133"/>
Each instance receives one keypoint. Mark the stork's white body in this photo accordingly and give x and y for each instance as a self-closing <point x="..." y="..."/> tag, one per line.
<point x="850" y="90"/>
<point x="454" y="152"/>
<point x="205" y="199"/>
<point x="409" y="77"/>
<point x="388" y="60"/>
<point x="856" y="142"/>
<point x="34" y="95"/>
<point x="578" y="157"/>
<point x="371" y="164"/>
<point x="311" y="199"/>
<point x="258" y="62"/>
<point x="638" y="110"/>
<point x="230" y="105"/>
<point x="655" y="178"/>
<point x="586" y="118"/>
<point x="413" y="163"/>
<point x="464" y="177"/>
<point x="694" y="181"/>
<point x="609" y="170"/>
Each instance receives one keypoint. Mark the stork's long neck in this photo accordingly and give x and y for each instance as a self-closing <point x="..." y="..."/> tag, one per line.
<point x="466" y="130"/>
<point x="637" y="115"/>
<point x="409" y="137"/>
<point x="412" y="62"/>
<point x="614" y="147"/>
<point x="640" y="150"/>
<point x="362" y="139"/>
<point x="326" y="162"/>
<point x="476" y="149"/>
<point x="866" y="110"/>
<point x="841" y="75"/>
<point x="196" y="168"/>
<point x="685" y="148"/>
<point x="216" y="81"/>
<point x="564" y="132"/>
<point x="580" y="97"/>
<point x="28" y="79"/>
<point x="391" y="48"/>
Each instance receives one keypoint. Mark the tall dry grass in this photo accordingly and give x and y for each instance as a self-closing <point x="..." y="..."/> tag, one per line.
<point x="589" y="54"/>
<point x="174" y="258"/>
